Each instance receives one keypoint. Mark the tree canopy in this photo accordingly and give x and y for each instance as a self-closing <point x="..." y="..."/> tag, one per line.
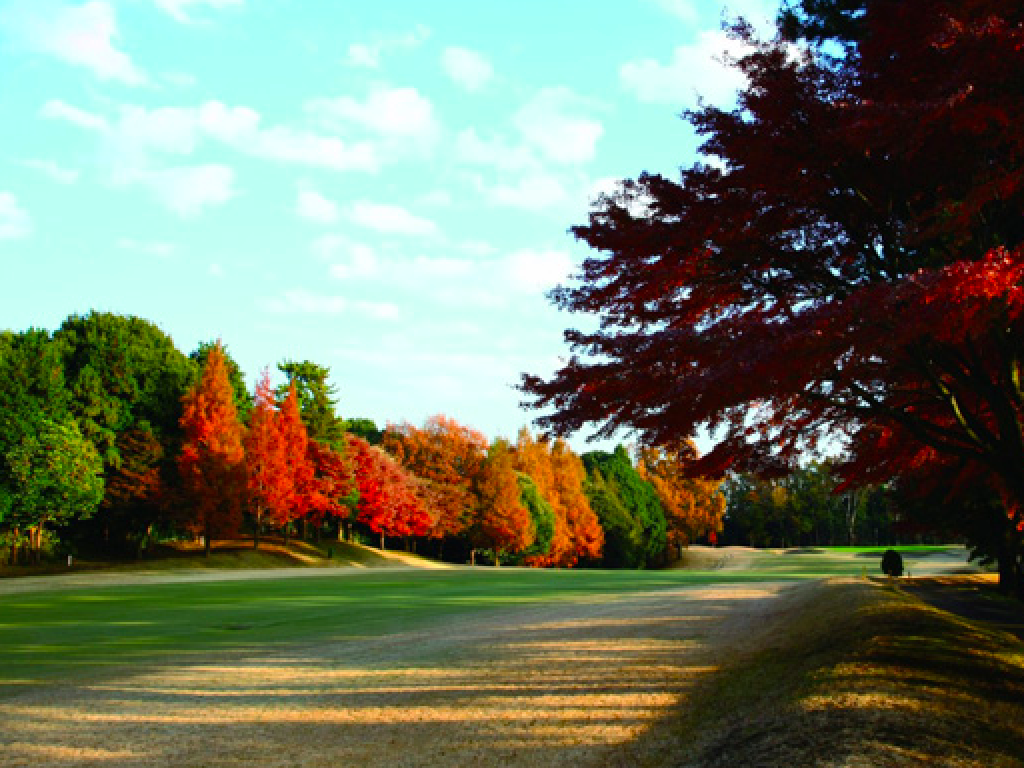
<point x="845" y="265"/>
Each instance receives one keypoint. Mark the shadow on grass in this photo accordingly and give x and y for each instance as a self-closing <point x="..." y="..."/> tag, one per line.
<point x="867" y="676"/>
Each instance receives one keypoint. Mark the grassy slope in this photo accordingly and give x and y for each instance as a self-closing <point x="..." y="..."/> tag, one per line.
<point x="865" y="675"/>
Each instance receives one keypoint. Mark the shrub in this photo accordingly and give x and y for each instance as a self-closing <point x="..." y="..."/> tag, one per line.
<point x="892" y="563"/>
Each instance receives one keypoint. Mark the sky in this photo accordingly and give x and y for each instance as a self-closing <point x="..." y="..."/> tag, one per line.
<point x="385" y="188"/>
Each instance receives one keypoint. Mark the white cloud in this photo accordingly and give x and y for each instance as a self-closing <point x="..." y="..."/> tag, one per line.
<point x="684" y="10"/>
<point x="186" y="190"/>
<point x="467" y="69"/>
<point x="301" y="301"/>
<point x="147" y="248"/>
<point x="52" y="169"/>
<point x="351" y="260"/>
<point x="537" y="191"/>
<point x="313" y="206"/>
<point x="552" y="121"/>
<point x="58" y="110"/>
<point x="472" y="149"/>
<point x="137" y="132"/>
<point x="80" y="35"/>
<point x="698" y="69"/>
<point x="535" y="271"/>
<point x="389" y="112"/>
<point x="390" y="219"/>
<point x="178" y="8"/>
<point x="368" y="55"/>
<point x="15" y="221"/>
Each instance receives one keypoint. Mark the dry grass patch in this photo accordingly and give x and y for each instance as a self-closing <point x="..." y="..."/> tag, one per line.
<point x="866" y="676"/>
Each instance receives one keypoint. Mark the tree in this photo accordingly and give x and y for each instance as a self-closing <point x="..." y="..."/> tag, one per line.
<point x="58" y="475"/>
<point x="848" y="268"/>
<point x="212" y="460"/>
<point x="333" y="483"/>
<point x="297" y="467"/>
<point x="541" y="515"/>
<point x="269" y="482"/>
<point x="316" y="401"/>
<point x="642" y="537"/>
<point x="693" y="506"/>
<point x="449" y="456"/>
<point x="136" y="490"/>
<point x="240" y="394"/>
<point x="390" y="498"/>
<point x="502" y="523"/>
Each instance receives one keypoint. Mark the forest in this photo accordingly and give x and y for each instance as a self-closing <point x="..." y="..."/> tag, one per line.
<point x="113" y="441"/>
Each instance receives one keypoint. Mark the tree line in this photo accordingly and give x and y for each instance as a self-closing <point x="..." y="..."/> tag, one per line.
<point x="112" y="440"/>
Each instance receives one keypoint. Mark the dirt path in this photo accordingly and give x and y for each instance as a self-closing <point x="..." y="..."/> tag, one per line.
<point x="587" y="683"/>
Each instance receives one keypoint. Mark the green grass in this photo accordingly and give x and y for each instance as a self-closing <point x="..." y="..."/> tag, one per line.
<point x="56" y="634"/>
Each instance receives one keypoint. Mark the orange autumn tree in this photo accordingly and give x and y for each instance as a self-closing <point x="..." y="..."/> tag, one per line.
<point x="558" y="474"/>
<point x="694" y="506"/>
<point x="390" y="499"/>
<point x="502" y="523"/>
<point x="332" y="481"/>
<point x="212" y="461"/>
<point x="448" y="456"/>
<point x="298" y="468"/>
<point x="268" y="481"/>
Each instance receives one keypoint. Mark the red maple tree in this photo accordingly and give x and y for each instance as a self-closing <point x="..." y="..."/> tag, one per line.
<point x="297" y="467"/>
<point x="212" y="461"/>
<point x="848" y="268"/>
<point x="390" y="502"/>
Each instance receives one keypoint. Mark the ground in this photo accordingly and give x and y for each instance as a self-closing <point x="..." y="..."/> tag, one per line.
<point x="489" y="667"/>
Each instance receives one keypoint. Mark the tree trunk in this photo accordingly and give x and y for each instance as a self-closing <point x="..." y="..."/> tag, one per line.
<point x="206" y="537"/>
<point x="256" y="529"/>
<point x="382" y="540"/>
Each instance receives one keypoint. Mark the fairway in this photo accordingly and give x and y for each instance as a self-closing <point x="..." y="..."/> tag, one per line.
<point x="404" y="667"/>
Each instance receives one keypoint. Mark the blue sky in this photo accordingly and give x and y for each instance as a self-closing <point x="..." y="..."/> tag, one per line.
<point x="383" y="188"/>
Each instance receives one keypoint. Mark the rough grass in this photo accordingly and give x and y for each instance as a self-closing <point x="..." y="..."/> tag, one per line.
<point x="866" y="676"/>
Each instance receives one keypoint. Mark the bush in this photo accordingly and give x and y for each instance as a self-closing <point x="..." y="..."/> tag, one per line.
<point x="892" y="563"/>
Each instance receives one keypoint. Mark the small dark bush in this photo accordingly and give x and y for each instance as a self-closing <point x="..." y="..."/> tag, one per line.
<point x="892" y="563"/>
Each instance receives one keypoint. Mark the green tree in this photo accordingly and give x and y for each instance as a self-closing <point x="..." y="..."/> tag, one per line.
<point x="316" y="401"/>
<point x="59" y="478"/>
<point x="643" y="542"/>
<point x="541" y="513"/>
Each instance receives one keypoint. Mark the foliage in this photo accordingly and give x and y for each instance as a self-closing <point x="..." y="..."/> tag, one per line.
<point x="212" y="460"/>
<point x="694" y="506"/>
<point x="502" y="523"/>
<point x="364" y="428"/>
<point x="449" y="457"/>
<point x="243" y="403"/>
<point x="391" y="501"/>
<point x="847" y="264"/>
<point x="297" y="467"/>
<point x="542" y="516"/>
<point x="316" y="401"/>
<point x="269" y="484"/>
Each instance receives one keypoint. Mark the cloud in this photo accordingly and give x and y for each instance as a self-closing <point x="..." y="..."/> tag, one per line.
<point x="178" y="8"/>
<point x="137" y="132"/>
<point x="553" y="122"/>
<point x="58" y="110"/>
<point x="185" y="190"/>
<point x="534" y="271"/>
<point x="684" y="10"/>
<point x="313" y="206"/>
<point x="496" y="152"/>
<point x="147" y="248"/>
<point x="15" y="221"/>
<point x="698" y="69"/>
<point x="350" y="260"/>
<point x="301" y="301"/>
<point x="53" y="170"/>
<point x="80" y="35"/>
<point x="390" y="219"/>
<point x="368" y="55"/>
<point x="536" y="191"/>
<point x="467" y="69"/>
<point x="389" y="112"/>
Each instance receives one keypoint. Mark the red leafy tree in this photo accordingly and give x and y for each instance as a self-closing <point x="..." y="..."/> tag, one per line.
<point x="298" y="470"/>
<point x="389" y="500"/>
<point x="848" y="268"/>
<point x="269" y="482"/>
<point x="212" y="461"/>
<point x="332" y="481"/>
<point x="448" y="456"/>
